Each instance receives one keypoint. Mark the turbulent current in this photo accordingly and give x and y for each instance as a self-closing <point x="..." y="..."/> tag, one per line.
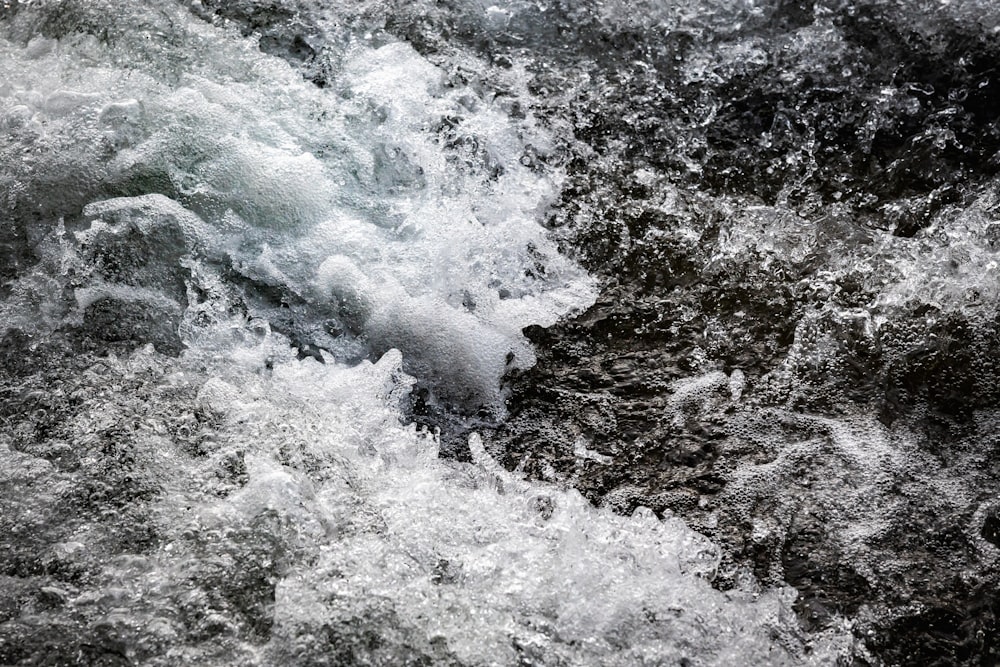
<point x="448" y="332"/>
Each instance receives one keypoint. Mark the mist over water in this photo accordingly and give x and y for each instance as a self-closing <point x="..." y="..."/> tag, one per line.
<point x="571" y="333"/>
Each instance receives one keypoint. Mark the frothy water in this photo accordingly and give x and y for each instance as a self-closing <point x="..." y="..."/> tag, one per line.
<point x="351" y="199"/>
<point x="215" y="497"/>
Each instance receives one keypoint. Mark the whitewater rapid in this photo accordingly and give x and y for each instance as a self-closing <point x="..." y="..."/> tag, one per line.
<point x="225" y="281"/>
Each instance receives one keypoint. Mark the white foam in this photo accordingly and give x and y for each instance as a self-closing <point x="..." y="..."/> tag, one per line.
<point x="459" y="553"/>
<point x="286" y="176"/>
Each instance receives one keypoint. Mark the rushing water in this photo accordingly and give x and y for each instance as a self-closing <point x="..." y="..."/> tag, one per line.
<point x="269" y="273"/>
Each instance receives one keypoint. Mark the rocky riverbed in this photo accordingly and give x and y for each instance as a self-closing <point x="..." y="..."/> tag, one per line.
<point x="541" y="333"/>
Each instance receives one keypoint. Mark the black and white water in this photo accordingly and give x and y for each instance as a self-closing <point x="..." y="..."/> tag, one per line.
<point x="562" y="332"/>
